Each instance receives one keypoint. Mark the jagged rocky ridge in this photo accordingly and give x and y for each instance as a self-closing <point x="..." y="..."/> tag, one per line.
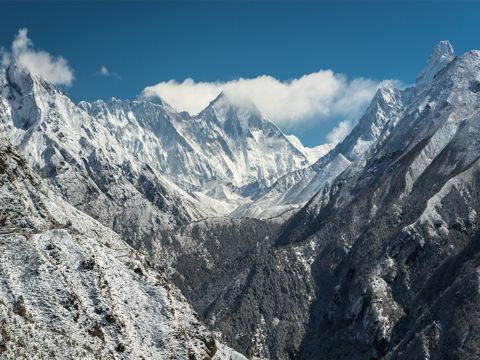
<point x="225" y="155"/>
<point x="379" y="261"/>
<point x="295" y="189"/>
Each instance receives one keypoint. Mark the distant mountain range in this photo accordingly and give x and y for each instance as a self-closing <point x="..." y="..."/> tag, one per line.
<point x="130" y="230"/>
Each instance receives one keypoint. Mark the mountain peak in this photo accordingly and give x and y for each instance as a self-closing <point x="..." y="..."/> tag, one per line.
<point x="225" y="100"/>
<point x="19" y="77"/>
<point x="226" y="106"/>
<point x="442" y="54"/>
<point x="24" y="81"/>
<point x="221" y="96"/>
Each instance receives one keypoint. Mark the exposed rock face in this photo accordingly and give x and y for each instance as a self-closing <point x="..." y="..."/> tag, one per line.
<point x="403" y="226"/>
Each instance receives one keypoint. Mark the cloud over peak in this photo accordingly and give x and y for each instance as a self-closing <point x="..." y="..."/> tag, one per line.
<point x="311" y="97"/>
<point x="339" y="132"/>
<point x="53" y="69"/>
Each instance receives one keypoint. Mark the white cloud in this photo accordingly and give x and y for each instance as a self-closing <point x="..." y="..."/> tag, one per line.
<point x="53" y="69"/>
<point x="339" y="132"/>
<point x="104" y="71"/>
<point x="312" y="97"/>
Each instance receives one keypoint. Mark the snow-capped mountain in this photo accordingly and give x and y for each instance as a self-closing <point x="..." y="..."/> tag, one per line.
<point x="410" y="241"/>
<point x="216" y="161"/>
<point x="224" y="156"/>
<point x="313" y="153"/>
<point x="87" y="165"/>
<point x="297" y="188"/>
<point x="441" y="56"/>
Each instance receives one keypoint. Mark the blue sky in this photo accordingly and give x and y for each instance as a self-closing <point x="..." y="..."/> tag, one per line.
<point x="142" y="44"/>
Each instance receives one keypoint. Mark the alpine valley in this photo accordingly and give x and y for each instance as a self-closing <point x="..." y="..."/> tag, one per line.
<point x="129" y="230"/>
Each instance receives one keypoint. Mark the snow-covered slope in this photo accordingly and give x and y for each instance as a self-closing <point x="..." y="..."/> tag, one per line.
<point x="224" y="156"/>
<point x="70" y="288"/>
